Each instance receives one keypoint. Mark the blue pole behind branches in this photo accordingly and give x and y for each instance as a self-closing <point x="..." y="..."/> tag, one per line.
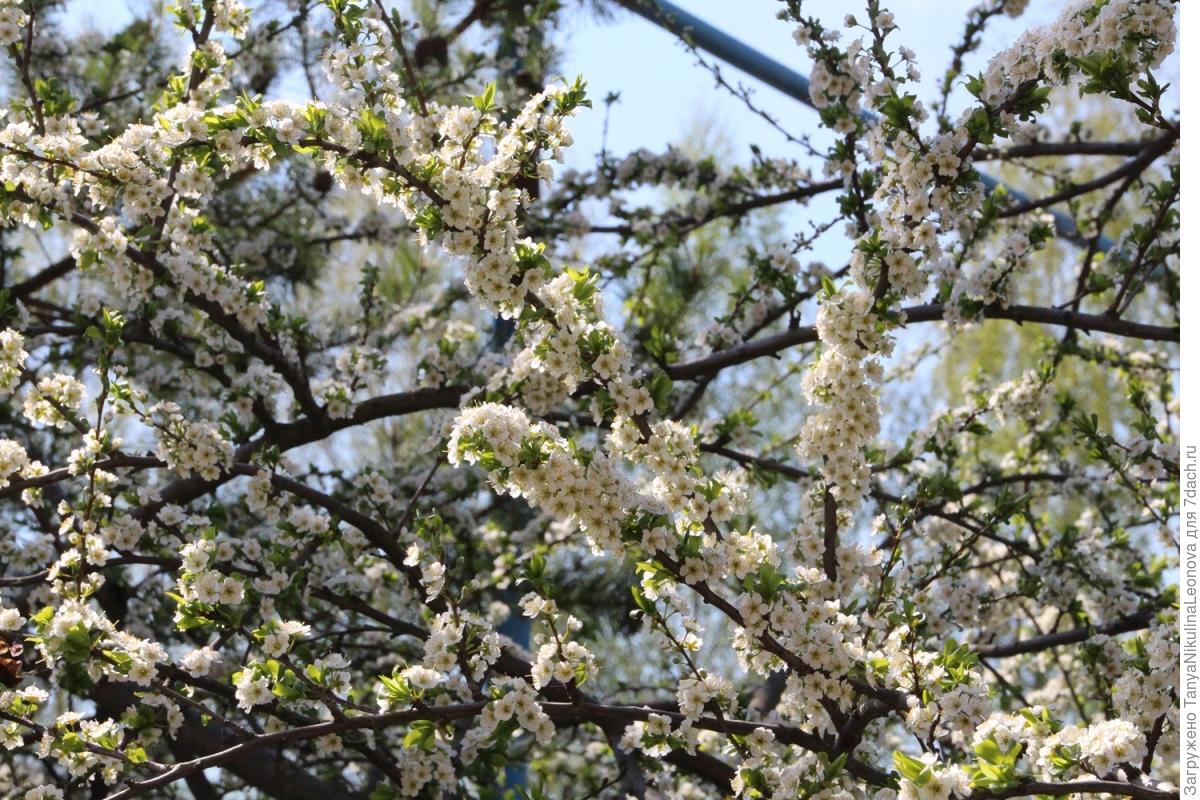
<point x="699" y="33"/>
<point x="517" y="627"/>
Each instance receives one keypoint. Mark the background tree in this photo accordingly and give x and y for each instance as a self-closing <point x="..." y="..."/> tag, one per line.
<point x="321" y="372"/>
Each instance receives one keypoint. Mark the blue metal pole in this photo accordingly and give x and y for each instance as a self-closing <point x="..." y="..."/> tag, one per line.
<point x="517" y="627"/>
<point x="700" y="34"/>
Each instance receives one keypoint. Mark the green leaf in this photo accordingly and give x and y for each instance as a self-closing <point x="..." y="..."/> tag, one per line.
<point x="537" y="566"/>
<point x="912" y="769"/>
<point x="420" y="734"/>
<point x="77" y="645"/>
<point x="487" y="101"/>
<point x="640" y="599"/>
<point x="43" y="617"/>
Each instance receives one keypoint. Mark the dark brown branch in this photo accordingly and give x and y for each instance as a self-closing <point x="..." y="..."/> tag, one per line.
<point x="1036" y="149"/>
<point x="38" y="280"/>
<point x="1132" y="167"/>
<point x="1120" y="788"/>
<point x="829" y="556"/>
<point x="771" y="345"/>
<point x="1135" y="622"/>
<point x="306" y="431"/>
<point x="734" y="210"/>
<point x="270" y="771"/>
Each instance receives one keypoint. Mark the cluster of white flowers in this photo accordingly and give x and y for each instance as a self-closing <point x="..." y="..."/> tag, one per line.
<point x="1100" y="748"/>
<point x="199" y="581"/>
<point x="252" y="689"/>
<point x="942" y="781"/>
<point x="1143" y="697"/>
<point x="337" y="397"/>
<point x="188" y="446"/>
<point x="13" y="460"/>
<point x="46" y="792"/>
<point x="82" y="635"/>
<point x="532" y="460"/>
<point x="988" y="280"/>
<point x="10" y="619"/>
<point x="52" y="398"/>
<point x="448" y="631"/>
<point x="199" y="662"/>
<point x="650" y="736"/>
<point x="211" y="586"/>
<point x="479" y="153"/>
<point x="422" y="678"/>
<point x="959" y="710"/>
<point x="1141" y="29"/>
<point x="12" y="29"/>
<point x="518" y="702"/>
<point x="704" y="188"/>
<point x="1111" y="743"/>
<point x="842" y="384"/>
<point x="335" y="673"/>
<point x="837" y="82"/>
<point x="12" y="359"/>
<point x="421" y="767"/>
<point x="278" y="635"/>
<point x="557" y="655"/>
<point x="695" y="693"/>
<point x="809" y="699"/>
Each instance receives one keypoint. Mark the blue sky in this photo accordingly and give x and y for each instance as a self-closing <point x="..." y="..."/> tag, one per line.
<point x="663" y="90"/>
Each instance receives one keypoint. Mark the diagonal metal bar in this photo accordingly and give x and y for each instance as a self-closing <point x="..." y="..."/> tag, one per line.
<point x="713" y="40"/>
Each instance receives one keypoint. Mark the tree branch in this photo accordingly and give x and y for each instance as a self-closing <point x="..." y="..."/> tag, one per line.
<point x="771" y="345"/>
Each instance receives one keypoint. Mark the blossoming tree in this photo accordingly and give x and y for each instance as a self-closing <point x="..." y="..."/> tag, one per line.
<point x="311" y="396"/>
